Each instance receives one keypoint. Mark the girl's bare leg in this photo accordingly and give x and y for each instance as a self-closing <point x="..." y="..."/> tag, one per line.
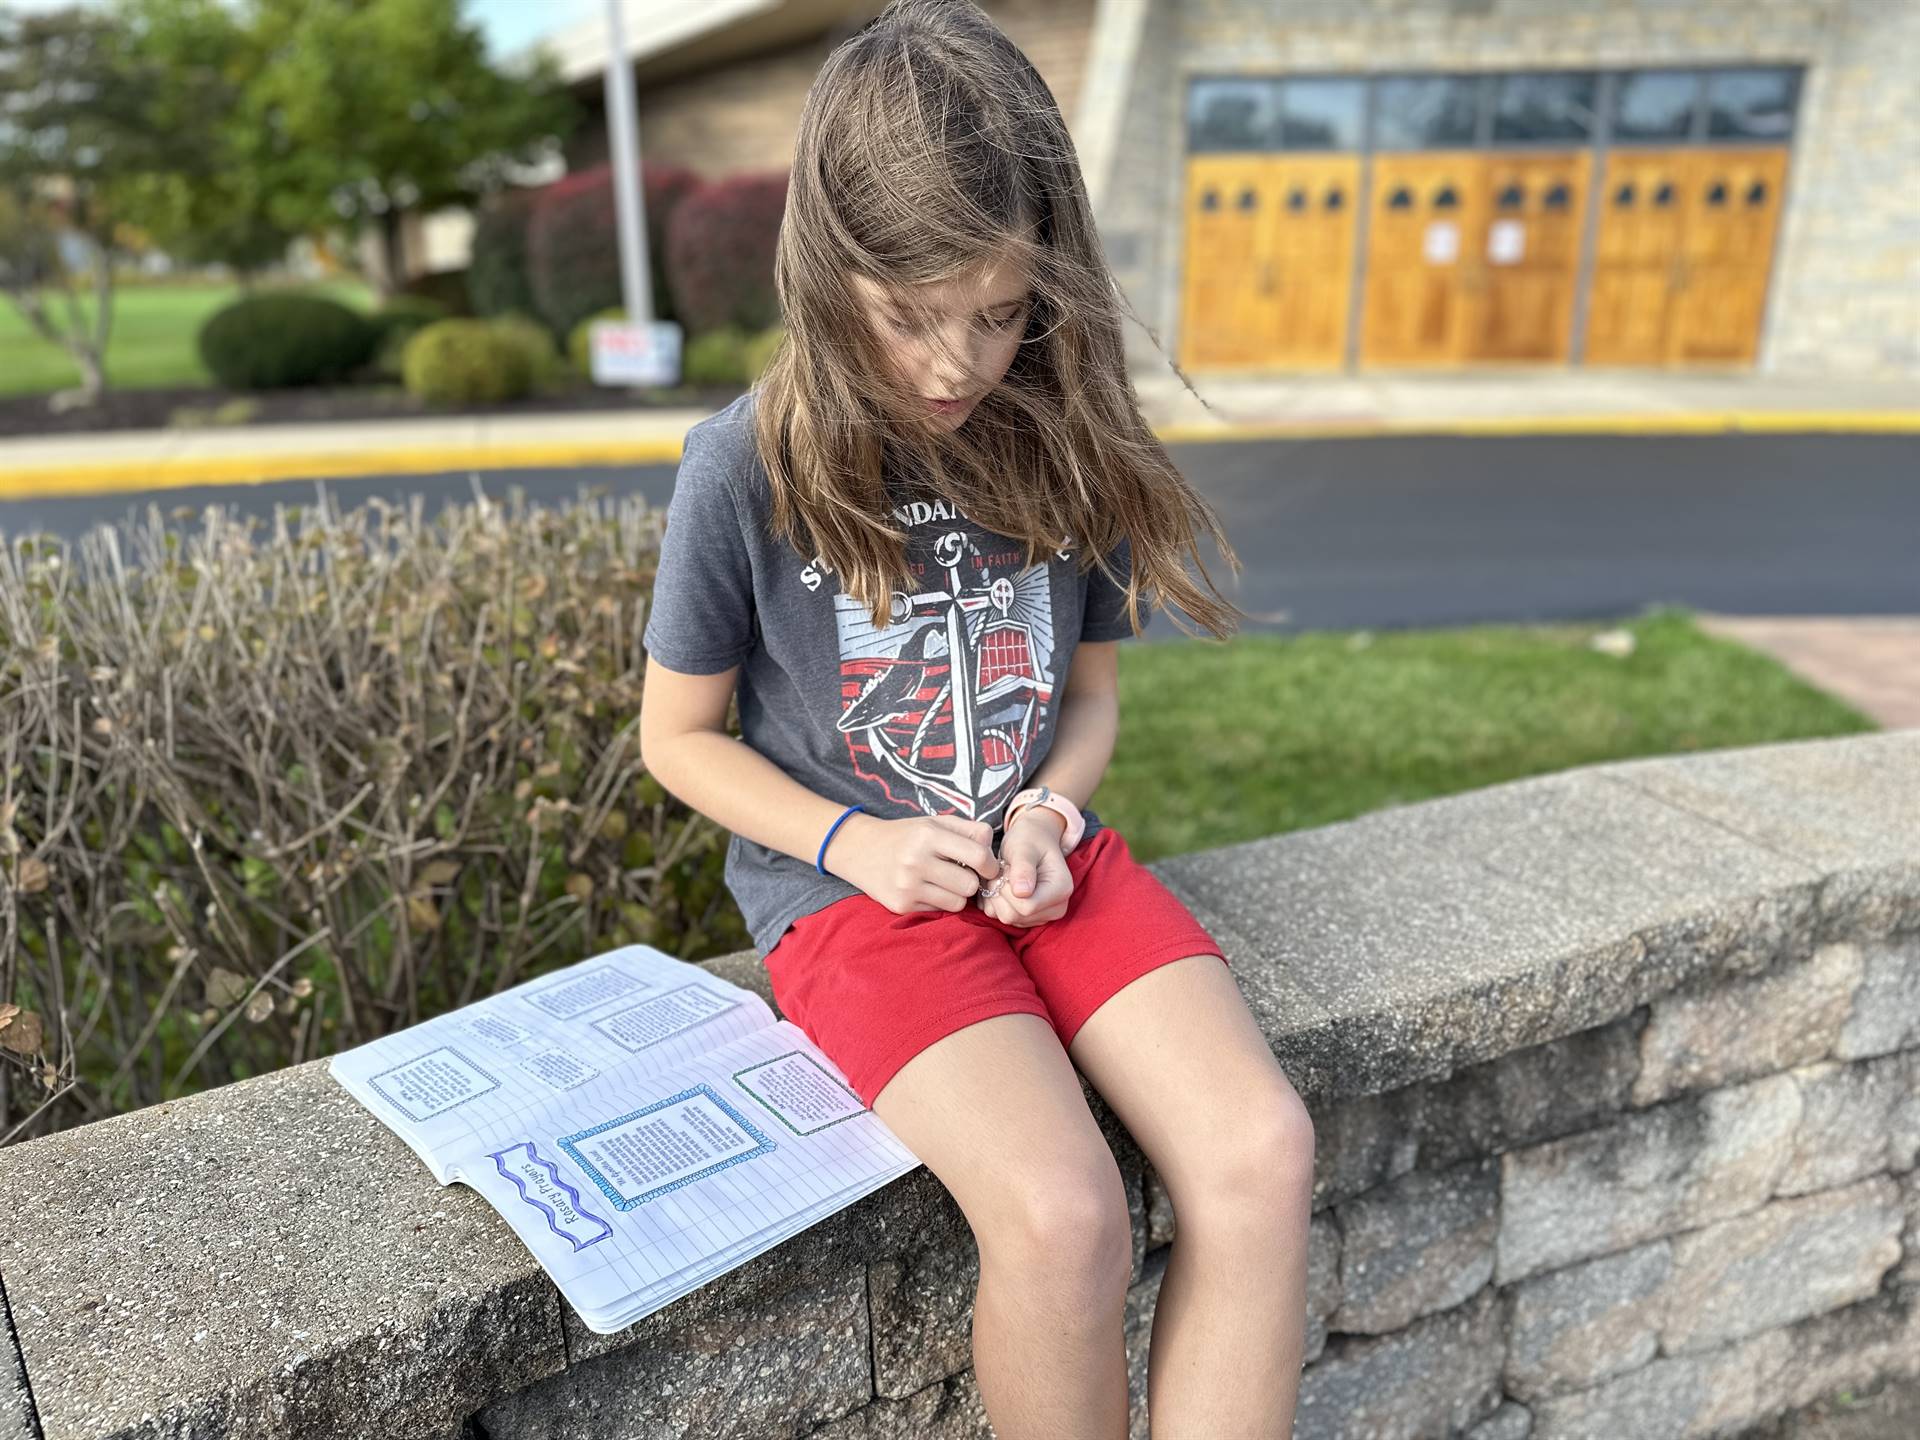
<point x="1182" y="1062"/>
<point x="996" y="1112"/>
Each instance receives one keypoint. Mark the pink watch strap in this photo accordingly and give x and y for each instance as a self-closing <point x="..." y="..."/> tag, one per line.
<point x="1060" y="805"/>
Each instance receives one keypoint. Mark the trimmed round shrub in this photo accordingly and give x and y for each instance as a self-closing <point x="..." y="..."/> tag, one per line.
<point x="395" y="323"/>
<point x="580" y="341"/>
<point x="759" y="350"/>
<point x="264" y="342"/>
<point x="545" y="369"/>
<point x="466" y="362"/>
<point x="718" y="357"/>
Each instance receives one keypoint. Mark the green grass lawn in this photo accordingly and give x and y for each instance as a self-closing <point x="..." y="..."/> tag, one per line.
<point x="151" y="344"/>
<point x="1270" y="733"/>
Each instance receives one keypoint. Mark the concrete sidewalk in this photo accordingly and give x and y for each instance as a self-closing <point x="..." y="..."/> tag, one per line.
<point x="1870" y="661"/>
<point x="1305" y="406"/>
<point x="133" y="460"/>
<point x="1523" y="401"/>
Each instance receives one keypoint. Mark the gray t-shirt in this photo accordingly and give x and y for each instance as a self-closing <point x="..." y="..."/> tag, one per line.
<point x="879" y="718"/>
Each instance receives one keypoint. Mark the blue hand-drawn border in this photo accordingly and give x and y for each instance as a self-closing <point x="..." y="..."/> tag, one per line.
<point x="566" y="1142"/>
<point x="553" y="1171"/>
<point x="374" y="1081"/>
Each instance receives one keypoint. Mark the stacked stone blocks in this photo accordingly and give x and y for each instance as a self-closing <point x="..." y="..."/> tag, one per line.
<point x="1679" y="1224"/>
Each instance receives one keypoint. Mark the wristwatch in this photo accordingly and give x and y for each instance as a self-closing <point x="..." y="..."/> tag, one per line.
<point x="1044" y="796"/>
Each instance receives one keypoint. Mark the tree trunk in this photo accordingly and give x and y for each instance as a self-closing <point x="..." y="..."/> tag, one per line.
<point x="93" y="374"/>
<point x="87" y="342"/>
<point x="393" y="251"/>
<point x="93" y="371"/>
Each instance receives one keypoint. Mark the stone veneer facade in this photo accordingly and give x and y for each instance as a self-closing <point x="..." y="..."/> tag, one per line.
<point x="1845" y="295"/>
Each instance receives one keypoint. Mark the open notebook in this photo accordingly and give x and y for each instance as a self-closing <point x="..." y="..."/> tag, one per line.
<point x="642" y="1124"/>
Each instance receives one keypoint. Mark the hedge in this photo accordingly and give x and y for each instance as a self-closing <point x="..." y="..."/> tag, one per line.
<point x="573" y="249"/>
<point x="720" y="248"/>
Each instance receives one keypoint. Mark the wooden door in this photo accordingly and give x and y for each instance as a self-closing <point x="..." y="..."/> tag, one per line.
<point x="1315" y="214"/>
<point x="1525" y="264"/>
<point x="1230" y="312"/>
<point x="1685" y="249"/>
<point x="1422" y="211"/>
<point x="1636" y="250"/>
<point x="1726" y="255"/>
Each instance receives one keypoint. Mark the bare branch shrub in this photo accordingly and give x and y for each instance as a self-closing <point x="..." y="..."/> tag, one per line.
<point x="264" y="799"/>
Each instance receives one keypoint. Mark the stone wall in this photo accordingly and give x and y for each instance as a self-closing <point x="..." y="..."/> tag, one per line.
<point x="1845" y="297"/>
<point x="1615" y="1076"/>
<point x="1675" y="1224"/>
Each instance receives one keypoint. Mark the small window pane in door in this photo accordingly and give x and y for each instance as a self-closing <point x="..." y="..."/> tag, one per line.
<point x="1425" y="112"/>
<point x="1550" y="106"/>
<point x="1656" y="105"/>
<point x="1751" y="104"/>
<point x="1233" y="113"/>
<point x="1322" y="114"/>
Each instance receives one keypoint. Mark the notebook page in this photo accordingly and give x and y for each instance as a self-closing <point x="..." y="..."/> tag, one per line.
<point x="648" y="1187"/>
<point x="445" y="1084"/>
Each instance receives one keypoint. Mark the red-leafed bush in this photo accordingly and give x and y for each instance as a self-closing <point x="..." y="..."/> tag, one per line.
<point x="573" y="247"/>
<point x="720" y="246"/>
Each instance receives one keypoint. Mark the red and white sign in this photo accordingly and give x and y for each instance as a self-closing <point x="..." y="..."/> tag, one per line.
<point x="625" y="354"/>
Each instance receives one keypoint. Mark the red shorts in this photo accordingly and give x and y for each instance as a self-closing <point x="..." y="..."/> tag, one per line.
<point x="873" y="989"/>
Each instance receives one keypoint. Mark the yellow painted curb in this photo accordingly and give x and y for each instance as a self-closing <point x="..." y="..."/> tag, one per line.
<point x="171" y="473"/>
<point x="1702" y="422"/>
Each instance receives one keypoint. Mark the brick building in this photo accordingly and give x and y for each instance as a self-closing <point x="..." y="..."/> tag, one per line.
<point x="1425" y="184"/>
<point x="721" y="82"/>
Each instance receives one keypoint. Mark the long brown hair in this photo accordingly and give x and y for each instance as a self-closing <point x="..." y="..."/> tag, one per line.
<point x="929" y="144"/>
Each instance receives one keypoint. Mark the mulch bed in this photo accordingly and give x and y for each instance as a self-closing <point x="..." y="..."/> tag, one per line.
<point x="159" y="409"/>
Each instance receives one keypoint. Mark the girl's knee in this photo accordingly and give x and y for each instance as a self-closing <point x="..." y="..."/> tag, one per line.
<point x="1265" y="1159"/>
<point x="1065" y="1226"/>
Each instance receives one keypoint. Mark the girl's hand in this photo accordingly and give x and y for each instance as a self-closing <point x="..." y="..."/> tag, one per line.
<point x="1037" y="883"/>
<point x="922" y="862"/>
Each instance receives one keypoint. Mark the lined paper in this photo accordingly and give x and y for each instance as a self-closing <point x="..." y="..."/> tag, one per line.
<point x="642" y="1124"/>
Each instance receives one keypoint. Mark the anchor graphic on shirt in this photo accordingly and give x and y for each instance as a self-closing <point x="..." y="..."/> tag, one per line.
<point x="952" y="692"/>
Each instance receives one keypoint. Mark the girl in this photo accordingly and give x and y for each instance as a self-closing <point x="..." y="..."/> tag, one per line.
<point x="915" y="544"/>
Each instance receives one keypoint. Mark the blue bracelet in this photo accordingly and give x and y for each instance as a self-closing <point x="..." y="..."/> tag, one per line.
<point x="820" y="861"/>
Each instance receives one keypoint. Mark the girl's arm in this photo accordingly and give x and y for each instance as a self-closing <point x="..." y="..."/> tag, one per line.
<point x="685" y="745"/>
<point x="1087" y="728"/>
<point x="919" y="863"/>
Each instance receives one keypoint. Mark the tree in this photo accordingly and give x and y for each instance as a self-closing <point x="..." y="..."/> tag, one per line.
<point x="372" y="108"/>
<point x="212" y="206"/>
<point x="76" y="133"/>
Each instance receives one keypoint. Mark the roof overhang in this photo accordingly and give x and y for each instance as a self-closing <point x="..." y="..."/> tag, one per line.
<point x="667" y="39"/>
